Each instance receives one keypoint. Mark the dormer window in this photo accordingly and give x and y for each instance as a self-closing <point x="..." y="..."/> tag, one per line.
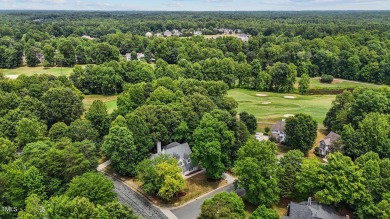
<point x="189" y="160"/>
<point x="181" y="163"/>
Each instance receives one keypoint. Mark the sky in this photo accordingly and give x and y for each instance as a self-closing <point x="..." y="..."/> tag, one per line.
<point x="196" y="5"/>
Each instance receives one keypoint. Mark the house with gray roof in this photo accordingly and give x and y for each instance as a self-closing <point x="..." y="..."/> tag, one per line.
<point x="182" y="153"/>
<point x="277" y="131"/>
<point x="311" y="210"/>
<point x="326" y="144"/>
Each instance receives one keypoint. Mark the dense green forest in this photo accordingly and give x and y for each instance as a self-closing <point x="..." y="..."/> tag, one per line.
<point x="349" y="45"/>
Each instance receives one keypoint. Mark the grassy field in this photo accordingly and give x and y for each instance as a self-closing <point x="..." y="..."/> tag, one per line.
<point x="337" y="84"/>
<point x="110" y="101"/>
<point x="274" y="106"/>
<point x="37" y="70"/>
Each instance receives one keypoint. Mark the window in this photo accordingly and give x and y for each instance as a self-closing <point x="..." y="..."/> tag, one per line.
<point x="189" y="160"/>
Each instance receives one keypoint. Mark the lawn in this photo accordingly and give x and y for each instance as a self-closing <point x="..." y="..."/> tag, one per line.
<point x="272" y="107"/>
<point x="110" y="101"/>
<point x="337" y="84"/>
<point x="57" y="71"/>
<point x="195" y="187"/>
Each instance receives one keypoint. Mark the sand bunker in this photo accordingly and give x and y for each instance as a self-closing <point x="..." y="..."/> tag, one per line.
<point x="265" y="103"/>
<point x="11" y="76"/>
<point x="289" y="97"/>
<point x="262" y="95"/>
<point x="288" y="115"/>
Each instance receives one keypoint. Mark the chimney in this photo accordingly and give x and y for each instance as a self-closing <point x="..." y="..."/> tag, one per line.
<point x="159" y="147"/>
<point x="309" y="201"/>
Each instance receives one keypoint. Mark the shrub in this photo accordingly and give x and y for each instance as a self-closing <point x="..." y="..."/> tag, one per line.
<point x="326" y="79"/>
<point x="266" y="130"/>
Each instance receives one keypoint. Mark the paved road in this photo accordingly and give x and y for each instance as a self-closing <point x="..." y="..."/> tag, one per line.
<point x="141" y="206"/>
<point x="192" y="210"/>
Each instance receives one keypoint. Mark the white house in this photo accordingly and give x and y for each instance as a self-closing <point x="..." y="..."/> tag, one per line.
<point x="197" y="33"/>
<point x="149" y="34"/>
<point x="278" y="131"/>
<point x="167" y="33"/>
<point x="128" y="56"/>
<point x="87" y="37"/>
<point x="140" y="56"/>
<point x="176" y="32"/>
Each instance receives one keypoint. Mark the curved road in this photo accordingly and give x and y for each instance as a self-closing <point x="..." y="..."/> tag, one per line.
<point x="192" y="210"/>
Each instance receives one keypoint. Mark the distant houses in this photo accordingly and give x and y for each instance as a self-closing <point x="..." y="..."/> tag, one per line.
<point x="149" y="34"/>
<point x="182" y="153"/>
<point x="87" y="37"/>
<point x="176" y="32"/>
<point x="326" y="144"/>
<point x="198" y="33"/>
<point x="183" y="32"/>
<point x="140" y="56"/>
<point x="167" y="33"/>
<point x="128" y="56"/>
<point x="277" y="131"/>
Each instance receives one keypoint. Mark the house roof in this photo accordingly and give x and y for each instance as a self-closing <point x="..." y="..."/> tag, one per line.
<point x="313" y="211"/>
<point x="279" y="125"/>
<point x="328" y="140"/>
<point x="181" y="152"/>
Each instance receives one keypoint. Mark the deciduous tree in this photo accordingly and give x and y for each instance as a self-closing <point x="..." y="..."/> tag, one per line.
<point x="263" y="212"/>
<point x="223" y="205"/>
<point x="301" y="132"/>
<point x="120" y="148"/>
<point x="304" y="84"/>
<point x="256" y="169"/>
<point x="93" y="186"/>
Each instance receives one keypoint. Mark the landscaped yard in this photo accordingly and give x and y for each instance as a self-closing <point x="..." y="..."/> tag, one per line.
<point x="110" y="101"/>
<point x="270" y="107"/>
<point x="195" y="186"/>
<point x="57" y="71"/>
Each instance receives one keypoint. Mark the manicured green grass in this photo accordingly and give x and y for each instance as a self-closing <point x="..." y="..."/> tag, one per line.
<point x="338" y="84"/>
<point x="314" y="105"/>
<point x="110" y="101"/>
<point x="38" y="70"/>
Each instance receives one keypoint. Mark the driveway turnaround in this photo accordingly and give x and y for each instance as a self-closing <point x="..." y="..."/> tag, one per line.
<point x="192" y="210"/>
<point x="140" y="205"/>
